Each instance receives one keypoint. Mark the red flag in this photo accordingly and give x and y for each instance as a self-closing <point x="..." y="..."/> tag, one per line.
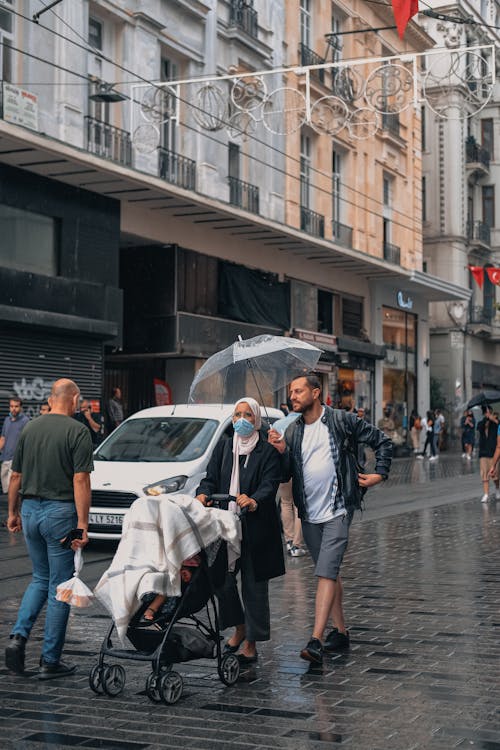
<point x="478" y="274"/>
<point x="494" y="275"/>
<point x="403" y="11"/>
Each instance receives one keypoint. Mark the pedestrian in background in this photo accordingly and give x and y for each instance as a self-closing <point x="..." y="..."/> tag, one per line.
<point x="325" y="483"/>
<point x="439" y="430"/>
<point x="292" y="526"/>
<point x="468" y="427"/>
<point x="115" y="409"/>
<point x="51" y="473"/>
<point x="12" y="427"/>
<point x="44" y="408"/>
<point x="415" y="430"/>
<point x="488" y="430"/>
<point x="429" y="438"/>
<point x="91" y="420"/>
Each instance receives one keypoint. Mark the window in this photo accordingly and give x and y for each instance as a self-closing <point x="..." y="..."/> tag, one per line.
<point x="335" y="41"/>
<point x="423" y="133"/>
<point x="169" y="71"/>
<point x="95" y="33"/>
<point x="29" y="241"/>
<point x="305" y="22"/>
<point x="489" y="205"/>
<point x="336" y="172"/>
<point x="424" y="199"/>
<point x="233" y="158"/>
<point x="352" y="317"/>
<point x="305" y="170"/>
<point x="387" y="190"/>
<point x="487" y="138"/>
<point x="325" y="311"/>
<point x="6" y="32"/>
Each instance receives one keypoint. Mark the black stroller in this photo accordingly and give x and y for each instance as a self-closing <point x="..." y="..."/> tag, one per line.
<point x="178" y="635"/>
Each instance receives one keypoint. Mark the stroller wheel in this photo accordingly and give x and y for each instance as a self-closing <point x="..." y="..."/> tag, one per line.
<point x="229" y="669"/>
<point x="171" y="685"/>
<point x="152" y="687"/>
<point x="95" y="679"/>
<point x="113" y="679"/>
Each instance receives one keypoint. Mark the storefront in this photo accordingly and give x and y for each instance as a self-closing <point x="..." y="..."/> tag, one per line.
<point x="399" y="387"/>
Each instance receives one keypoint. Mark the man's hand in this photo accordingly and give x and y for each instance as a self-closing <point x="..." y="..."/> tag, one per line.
<point x="80" y="543"/>
<point x="14" y="524"/>
<point x="369" y="480"/>
<point x="492" y="474"/>
<point x="203" y="499"/>
<point x="277" y="440"/>
<point x="243" y="501"/>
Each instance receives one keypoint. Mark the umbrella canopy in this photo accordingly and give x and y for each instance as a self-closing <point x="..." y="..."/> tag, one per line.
<point x="483" y="398"/>
<point x="255" y="367"/>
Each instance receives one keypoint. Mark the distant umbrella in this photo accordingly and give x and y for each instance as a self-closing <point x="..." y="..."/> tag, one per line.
<point x="484" y="398"/>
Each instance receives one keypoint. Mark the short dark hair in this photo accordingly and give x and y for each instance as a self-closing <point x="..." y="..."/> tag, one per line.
<point x="17" y="400"/>
<point x="312" y="379"/>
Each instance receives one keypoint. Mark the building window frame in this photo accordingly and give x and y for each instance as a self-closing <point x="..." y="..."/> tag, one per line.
<point x="305" y="23"/>
<point x="6" y="39"/>
<point x="305" y="170"/>
<point x="488" y="203"/>
<point x="488" y="136"/>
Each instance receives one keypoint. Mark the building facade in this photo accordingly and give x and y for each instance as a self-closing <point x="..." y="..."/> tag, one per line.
<point x="461" y="205"/>
<point x="237" y="204"/>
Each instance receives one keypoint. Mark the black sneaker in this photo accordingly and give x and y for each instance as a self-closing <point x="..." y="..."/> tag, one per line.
<point x="336" y="641"/>
<point x="313" y="651"/>
<point x="14" y="654"/>
<point x="51" y="671"/>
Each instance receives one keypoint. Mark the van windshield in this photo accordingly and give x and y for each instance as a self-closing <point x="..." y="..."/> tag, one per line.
<point x="158" y="439"/>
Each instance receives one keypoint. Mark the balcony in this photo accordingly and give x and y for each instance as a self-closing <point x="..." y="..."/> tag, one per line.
<point x="245" y="17"/>
<point x="243" y="195"/>
<point x="479" y="315"/>
<point x="390" y="123"/>
<point x="311" y="222"/>
<point x="109" y="142"/>
<point x="477" y="159"/>
<point x="308" y="57"/>
<point x="392" y="253"/>
<point x="478" y="235"/>
<point x="177" y="169"/>
<point x="342" y="234"/>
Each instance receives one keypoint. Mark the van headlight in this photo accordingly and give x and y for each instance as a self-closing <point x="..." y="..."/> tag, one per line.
<point x="163" y="487"/>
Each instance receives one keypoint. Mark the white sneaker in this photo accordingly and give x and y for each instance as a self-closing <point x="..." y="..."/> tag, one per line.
<point x="289" y="545"/>
<point x="419" y="456"/>
<point x="464" y="455"/>
<point x="485" y="498"/>
<point x="298" y="552"/>
<point x="433" y="458"/>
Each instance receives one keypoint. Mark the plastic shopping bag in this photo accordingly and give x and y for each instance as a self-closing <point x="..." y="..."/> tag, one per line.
<point x="75" y="591"/>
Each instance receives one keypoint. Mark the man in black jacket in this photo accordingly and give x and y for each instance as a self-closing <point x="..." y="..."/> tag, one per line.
<point x="320" y="455"/>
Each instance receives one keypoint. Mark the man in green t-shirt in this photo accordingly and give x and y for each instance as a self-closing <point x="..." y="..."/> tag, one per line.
<point x="51" y="473"/>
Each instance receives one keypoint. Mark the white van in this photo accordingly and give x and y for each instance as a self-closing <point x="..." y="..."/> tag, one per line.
<point x="164" y="449"/>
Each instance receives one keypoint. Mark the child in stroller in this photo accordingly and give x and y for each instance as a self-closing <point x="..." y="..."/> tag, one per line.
<point x="166" y="630"/>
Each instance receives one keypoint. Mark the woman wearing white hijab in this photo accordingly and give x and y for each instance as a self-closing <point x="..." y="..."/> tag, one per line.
<point x="248" y="468"/>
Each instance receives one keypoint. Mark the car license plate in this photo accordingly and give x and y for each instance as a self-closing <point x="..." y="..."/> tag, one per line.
<point x="106" y="519"/>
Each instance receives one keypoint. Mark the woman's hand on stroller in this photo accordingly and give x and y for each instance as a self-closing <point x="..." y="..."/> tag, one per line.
<point x="247" y="503"/>
<point x="204" y="500"/>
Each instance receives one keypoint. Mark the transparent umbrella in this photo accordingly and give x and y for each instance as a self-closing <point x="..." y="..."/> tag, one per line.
<point x="255" y="367"/>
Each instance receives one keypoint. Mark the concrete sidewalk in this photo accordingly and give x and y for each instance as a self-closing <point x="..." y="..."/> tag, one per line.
<point x="422" y="599"/>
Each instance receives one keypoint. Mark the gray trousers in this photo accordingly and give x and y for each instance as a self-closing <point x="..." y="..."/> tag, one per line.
<point x="254" y="612"/>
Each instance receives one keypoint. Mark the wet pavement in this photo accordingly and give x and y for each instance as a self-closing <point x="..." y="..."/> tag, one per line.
<point x="422" y="598"/>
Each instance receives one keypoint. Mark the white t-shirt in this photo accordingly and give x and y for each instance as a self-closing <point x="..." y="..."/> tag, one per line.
<point x="320" y="474"/>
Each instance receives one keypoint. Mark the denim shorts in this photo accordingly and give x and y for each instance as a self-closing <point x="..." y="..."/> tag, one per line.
<point x="327" y="543"/>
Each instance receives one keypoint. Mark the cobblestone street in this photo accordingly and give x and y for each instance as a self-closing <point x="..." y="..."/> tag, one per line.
<point x="422" y="600"/>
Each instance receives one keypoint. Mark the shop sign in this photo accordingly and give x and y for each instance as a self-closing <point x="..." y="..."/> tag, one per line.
<point x="405" y="302"/>
<point x="324" y="367"/>
<point x="317" y="339"/>
<point x="20" y="106"/>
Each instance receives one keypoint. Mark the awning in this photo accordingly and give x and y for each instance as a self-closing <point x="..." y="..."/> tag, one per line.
<point x="364" y="348"/>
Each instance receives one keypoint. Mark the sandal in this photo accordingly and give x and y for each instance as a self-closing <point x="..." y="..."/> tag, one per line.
<point x="145" y="621"/>
<point x="229" y="649"/>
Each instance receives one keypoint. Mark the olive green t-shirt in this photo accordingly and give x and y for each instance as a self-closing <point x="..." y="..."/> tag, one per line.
<point x="51" y="449"/>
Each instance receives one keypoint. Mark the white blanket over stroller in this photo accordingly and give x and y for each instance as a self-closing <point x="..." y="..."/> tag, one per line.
<point x="156" y="538"/>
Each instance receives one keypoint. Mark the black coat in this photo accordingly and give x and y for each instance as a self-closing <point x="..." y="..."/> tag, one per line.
<point x="259" y="480"/>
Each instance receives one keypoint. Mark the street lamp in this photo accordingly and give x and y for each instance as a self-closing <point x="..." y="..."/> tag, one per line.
<point x="106" y="93"/>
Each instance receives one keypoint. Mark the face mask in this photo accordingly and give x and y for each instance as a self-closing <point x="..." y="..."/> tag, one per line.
<point x="243" y="427"/>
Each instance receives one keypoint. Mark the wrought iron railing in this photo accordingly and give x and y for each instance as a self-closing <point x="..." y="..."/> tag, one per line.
<point x="244" y="16"/>
<point x="392" y="253"/>
<point x="105" y="140"/>
<point x="243" y="195"/>
<point x="342" y="234"/>
<point x="311" y="222"/>
<point x="177" y="169"/>
<point x="481" y="315"/>
<point x="391" y="123"/>
<point x="309" y="57"/>
<point x="476" y="154"/>
<point x="479" y="231"/>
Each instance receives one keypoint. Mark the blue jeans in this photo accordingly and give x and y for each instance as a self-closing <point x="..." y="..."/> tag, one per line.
<point x="45" y="523"/>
